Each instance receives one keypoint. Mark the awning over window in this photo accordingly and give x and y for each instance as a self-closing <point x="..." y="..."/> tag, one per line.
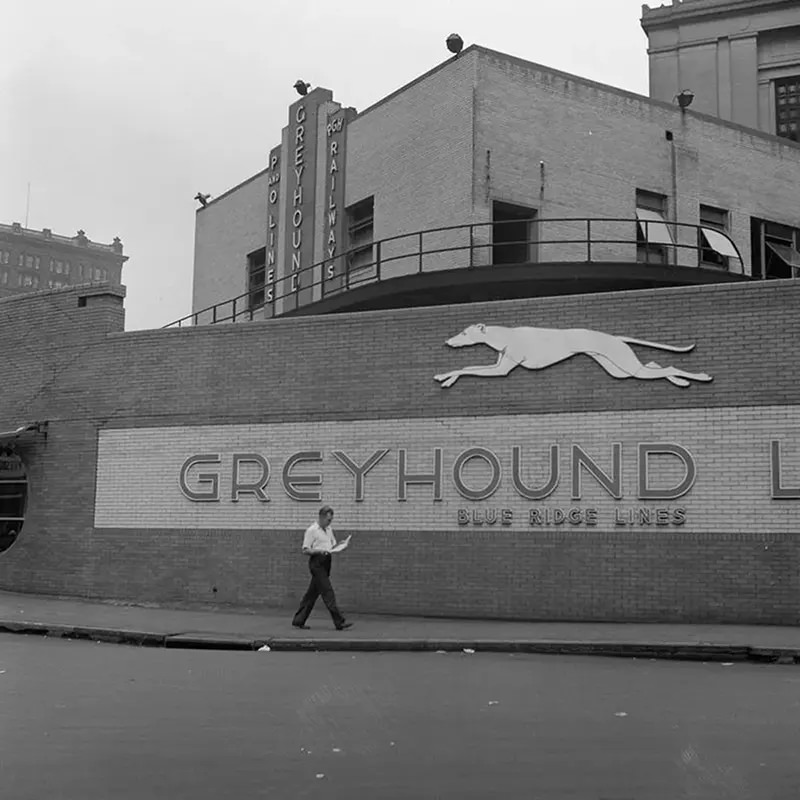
<point x="655" y="230"/>
<point x="720" y="243"/>
<point x="31" y="427"/>
<point x="786" y="254"/>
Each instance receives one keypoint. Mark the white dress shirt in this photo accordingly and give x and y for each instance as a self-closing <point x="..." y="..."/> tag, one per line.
<point x="319" y="538"/>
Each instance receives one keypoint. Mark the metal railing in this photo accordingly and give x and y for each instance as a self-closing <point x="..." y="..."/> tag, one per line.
<point x="572" y="240"/>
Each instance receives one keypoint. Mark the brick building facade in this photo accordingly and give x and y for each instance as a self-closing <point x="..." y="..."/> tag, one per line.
<point x="182" y="465"/>
<point x="477" y="139"/>
<point x="31" y="260"/>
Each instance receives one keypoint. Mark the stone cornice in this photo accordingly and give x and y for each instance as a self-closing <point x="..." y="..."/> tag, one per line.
<point x="703" y="10"/>
<point x="45" y="241"/>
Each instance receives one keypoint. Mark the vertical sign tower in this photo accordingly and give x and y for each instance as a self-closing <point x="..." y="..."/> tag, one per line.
<point x="299" y="198"/>
<point x="273" y="212"/>
<point x="334" y="242"/>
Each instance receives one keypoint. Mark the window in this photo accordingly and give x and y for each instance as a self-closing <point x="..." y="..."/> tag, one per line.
<point x="97" y="273"/>
<point x="105" y="273"/>
<point x="19" y="279"/>
<point x="716" y="250"/>
<point x="512" y="233"/>
<point x="13" y="497"/>
<point x="775" y="249"/>
<point x="4" y="277"/>
<point x="653" y="237"/>
<point x="256" y="276"/>
<point x="787" y="108"/>
<point x="66" y="268"/>
<point x="27" y="280"/>
<point x="80" y="270"/>
<point x="29" y="262"/>
<point x="59" y="267"/>
<point x="37" y="262"/>
<point x="360" y="230"/>
<point x="5" y="256"/>
<point x="36" y="281"/>
<point x="21" y="260"/>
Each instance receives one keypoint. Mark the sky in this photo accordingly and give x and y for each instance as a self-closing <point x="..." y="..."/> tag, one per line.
<point x="117" y="112"/>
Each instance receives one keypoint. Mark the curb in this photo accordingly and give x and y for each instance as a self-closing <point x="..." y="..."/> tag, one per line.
<point x="663" y="651"/>
<point x="110" y="635"/>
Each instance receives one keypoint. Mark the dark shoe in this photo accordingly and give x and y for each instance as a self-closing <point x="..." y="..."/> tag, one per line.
<point x="344" y="626"/>
<point x="301" y="627"/>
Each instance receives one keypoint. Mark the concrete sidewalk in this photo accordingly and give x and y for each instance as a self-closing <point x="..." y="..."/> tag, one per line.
<point x="251" y="629"/>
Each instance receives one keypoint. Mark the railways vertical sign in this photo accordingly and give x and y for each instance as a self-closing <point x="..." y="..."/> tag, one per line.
<point x="335" y="243"/>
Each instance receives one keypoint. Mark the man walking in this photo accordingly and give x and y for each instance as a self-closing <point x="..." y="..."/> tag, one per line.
<point x="318" y="544"/>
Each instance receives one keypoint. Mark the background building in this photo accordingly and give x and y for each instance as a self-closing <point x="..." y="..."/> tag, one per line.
<point x="31" y="260"/>
<point x="740" y="58"/>
<point x="499" y="161"/>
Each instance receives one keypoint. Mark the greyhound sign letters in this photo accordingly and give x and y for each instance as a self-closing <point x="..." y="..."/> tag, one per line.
<point x="539" y="348"/>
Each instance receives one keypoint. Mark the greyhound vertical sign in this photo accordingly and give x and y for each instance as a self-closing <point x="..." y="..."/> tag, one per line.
<point x="539" y="348"/>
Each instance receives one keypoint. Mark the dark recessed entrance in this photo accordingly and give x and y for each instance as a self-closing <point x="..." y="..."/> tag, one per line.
<point x="512" y="233"/>
<point x="13" y="496"/>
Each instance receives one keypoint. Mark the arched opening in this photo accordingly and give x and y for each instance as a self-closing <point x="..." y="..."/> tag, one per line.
<point x="13" y="496"/>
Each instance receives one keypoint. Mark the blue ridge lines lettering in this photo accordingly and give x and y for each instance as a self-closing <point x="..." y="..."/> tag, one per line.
<point x="555" y="516"/>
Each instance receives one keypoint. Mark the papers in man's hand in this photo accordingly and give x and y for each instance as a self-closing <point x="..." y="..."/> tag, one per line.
<point x="341" y="546"/>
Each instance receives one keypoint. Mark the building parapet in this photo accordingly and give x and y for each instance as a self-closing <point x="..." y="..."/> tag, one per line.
<point x="47" y="235"/>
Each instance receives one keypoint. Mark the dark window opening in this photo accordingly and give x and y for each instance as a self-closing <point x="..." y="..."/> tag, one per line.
<point x="787" y="108"/>
<point x="512" y="233"/>
<point x="714" y="219"/>
<point x="775" y="250"/>
<point x="13" y="497"/>
<point x="256" y="278"/>
<point x="653" y="237"/>
<point x="360" y="234"/>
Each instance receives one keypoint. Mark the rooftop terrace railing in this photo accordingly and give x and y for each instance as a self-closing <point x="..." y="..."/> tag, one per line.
<point x="532" y="241"/>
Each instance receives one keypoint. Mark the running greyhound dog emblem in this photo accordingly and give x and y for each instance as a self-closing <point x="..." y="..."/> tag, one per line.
<point x="539" y="348"/>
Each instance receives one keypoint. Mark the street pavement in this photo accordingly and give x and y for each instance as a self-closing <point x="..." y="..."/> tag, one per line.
<point x="226" y="628"/>
<point x="95" y="721"/>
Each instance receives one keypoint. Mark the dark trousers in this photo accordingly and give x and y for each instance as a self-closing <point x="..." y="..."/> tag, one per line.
<point x="320" y="568"/>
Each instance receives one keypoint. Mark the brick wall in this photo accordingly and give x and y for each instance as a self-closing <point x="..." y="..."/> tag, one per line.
<point x="413" y="152"/>
<point x="76" y="370"/>
<point x="225" y="232"/>
<point x="599" y="145"/>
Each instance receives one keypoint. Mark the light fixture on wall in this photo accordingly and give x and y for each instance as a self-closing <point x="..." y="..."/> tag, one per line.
<point x="684" y="99"/>
<point x="455" y="44"/>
